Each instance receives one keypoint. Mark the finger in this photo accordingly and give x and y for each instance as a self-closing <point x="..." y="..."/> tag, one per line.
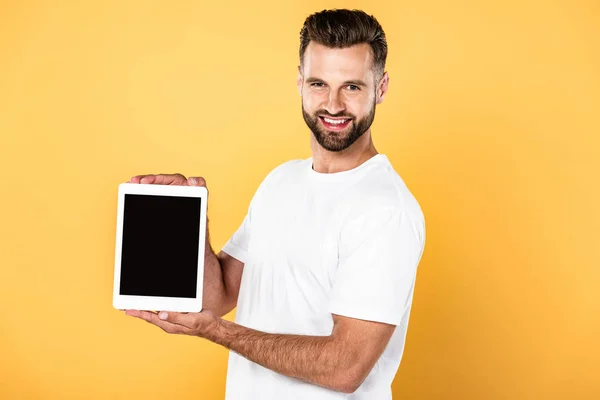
<point x="170" y="179"/>
<point x="153" y="319"/>
<point x="186" y="320"/>
<point x="160" y="179"/>
<point x="196" y="181"/>
<point x="145" y="315"/>
<point x="136" y="179"/>
<point x="147" y="179"/>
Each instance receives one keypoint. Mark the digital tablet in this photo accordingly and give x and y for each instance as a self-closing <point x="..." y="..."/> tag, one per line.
<point x="159" y="254"/>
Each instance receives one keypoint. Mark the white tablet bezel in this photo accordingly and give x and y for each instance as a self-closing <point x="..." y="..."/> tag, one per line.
<point x="155" y="303"/>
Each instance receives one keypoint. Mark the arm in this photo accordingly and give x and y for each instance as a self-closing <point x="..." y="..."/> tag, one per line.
<point x="340" y="361"/>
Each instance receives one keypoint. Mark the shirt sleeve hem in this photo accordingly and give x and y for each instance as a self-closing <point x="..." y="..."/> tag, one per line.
<point x="236" y="252"/>
<point x="367" y="314"/>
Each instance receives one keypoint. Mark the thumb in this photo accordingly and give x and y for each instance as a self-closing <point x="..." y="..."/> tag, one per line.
<point x="196" y="181"/>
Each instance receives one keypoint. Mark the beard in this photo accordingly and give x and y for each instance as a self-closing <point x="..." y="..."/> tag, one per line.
<point x="333" y="140"/>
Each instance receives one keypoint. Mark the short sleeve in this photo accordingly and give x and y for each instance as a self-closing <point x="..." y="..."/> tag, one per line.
<point x="237" y="245"/>
<point x="378" y="257"/>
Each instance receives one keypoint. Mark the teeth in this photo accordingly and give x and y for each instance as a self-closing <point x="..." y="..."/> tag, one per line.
<point x="334" y="121"/>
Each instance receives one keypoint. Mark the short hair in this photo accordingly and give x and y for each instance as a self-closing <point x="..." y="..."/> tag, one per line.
<point x="340" y="28"/>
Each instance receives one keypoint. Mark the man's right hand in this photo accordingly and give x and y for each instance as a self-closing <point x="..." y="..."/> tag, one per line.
<point x="169" y="179"/>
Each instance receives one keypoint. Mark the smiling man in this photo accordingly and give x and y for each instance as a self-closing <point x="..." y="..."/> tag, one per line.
<point x="322" y="269"/>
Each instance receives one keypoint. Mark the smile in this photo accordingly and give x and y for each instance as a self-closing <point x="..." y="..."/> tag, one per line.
<point x="335" y="121"/>
<point x="335" y="124"/>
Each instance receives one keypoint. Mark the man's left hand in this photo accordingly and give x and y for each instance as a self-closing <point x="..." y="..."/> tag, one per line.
<point x="193" y="324"/>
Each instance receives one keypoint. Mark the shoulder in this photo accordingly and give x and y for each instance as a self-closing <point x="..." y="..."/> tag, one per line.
<point x="379" y="198"/>
<point x="285" y="169"/>
<point x="283" y="172"/>
<point x="382" y="188"/>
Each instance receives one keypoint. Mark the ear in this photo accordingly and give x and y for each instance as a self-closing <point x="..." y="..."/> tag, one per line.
<point x="382" y="87"/>
<point x="299" y="81"/>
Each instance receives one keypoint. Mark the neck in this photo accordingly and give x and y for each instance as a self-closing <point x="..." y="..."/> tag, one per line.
<point x="328" y="162"/>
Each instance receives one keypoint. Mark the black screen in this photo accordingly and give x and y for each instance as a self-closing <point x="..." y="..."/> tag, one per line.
<point x="159" y="254"/>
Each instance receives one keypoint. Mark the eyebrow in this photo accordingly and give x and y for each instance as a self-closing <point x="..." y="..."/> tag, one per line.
<point x="355" y="82"/>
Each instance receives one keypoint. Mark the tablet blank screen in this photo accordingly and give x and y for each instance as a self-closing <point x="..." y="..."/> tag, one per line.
<point x="159" y="255"/>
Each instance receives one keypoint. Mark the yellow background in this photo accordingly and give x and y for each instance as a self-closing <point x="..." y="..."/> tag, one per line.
<point x="492" y="119"/>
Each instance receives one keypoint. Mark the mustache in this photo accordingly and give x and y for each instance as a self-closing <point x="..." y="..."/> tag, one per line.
<point x="338" y="115"/>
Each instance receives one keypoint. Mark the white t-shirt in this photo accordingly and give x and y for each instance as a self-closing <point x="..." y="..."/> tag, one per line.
<point x="314" y="244"/>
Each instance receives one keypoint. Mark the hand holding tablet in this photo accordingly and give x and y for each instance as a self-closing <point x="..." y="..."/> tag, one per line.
<point x="161" y="234"/>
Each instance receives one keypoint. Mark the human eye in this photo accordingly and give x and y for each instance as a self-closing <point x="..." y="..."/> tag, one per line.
<point x="353" y="88"/>
<point x="317" y="84"/>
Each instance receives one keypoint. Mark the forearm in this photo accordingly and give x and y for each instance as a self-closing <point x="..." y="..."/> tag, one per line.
<point x="319" y="360"/>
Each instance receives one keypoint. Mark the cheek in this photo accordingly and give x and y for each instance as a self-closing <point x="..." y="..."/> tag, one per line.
<point x="311" y="100"/>
<point x="361" y="105"/>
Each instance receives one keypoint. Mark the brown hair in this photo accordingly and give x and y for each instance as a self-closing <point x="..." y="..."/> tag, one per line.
<point x="344" y="28"/>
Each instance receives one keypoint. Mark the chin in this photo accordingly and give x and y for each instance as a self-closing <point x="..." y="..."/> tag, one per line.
<point x="334" y="145"/>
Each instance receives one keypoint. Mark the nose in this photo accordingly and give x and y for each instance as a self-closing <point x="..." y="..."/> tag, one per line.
<point x="334" y="103"/>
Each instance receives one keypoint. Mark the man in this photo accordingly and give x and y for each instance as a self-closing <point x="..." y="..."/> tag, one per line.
<point x="323" y="266"/>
